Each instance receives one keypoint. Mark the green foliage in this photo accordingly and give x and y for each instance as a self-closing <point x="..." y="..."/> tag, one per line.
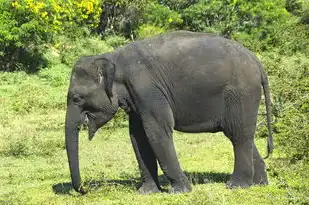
<point x="11" y="78"/>
<point x="161" y="16"/>
<point x="294" y="6"/>
<point x="207" y="17"/>
<point x="56" y="75"/>
<point x="70" y="50"/>
<point x="27" y="26"/>
<point x="292" y="132"/>
<point x="28" y="145"/>
<point x="290" y="86"/>
<point x="305" y="13"/>
<point x="121" y="17"/>
<point x="146" y="30"/>
<point x="178" y="5"/>
<point x="239" y="17"/>
<point x="31" y="97"/>
<point x="115" y="41"/>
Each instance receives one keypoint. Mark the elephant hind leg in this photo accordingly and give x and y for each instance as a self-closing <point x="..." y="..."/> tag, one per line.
<point x="243" y="165"/>
<point x="239" y="126"/>
<point x="260" y="176"/>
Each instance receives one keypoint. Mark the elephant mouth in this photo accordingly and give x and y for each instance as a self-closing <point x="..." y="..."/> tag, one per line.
<point x="85" y="119"/>
<point x="88" y="120"/>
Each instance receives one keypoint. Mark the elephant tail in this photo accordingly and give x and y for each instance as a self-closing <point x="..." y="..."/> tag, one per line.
<point x="265" y="84"/>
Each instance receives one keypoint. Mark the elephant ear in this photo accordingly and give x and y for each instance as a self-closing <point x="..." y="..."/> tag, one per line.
<point x="106" y="72"/>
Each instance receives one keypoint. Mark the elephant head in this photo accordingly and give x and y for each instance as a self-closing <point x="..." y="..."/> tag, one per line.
<point x="90" y="101"/>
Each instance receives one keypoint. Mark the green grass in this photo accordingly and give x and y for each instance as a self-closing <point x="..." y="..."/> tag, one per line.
<point x="109" y="169"/>
<point x="34" y="168"/>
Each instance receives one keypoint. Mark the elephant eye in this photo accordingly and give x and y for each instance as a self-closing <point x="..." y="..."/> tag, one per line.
<point x="77" y="99"/>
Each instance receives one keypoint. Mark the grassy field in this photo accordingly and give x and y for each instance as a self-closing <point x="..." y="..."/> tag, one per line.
<point x="34" y="168"/>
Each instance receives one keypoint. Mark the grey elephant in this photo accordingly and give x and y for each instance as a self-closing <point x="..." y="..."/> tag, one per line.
<point x="185" y="81"/>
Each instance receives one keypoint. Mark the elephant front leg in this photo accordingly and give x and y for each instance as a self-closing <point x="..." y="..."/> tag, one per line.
<point x="145" y="157"/>
<point x="159" y="134"/>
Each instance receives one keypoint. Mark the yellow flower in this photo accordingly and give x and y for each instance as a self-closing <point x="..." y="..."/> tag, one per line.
<point x="15" y="4"/>
<point x="44" y="14"/>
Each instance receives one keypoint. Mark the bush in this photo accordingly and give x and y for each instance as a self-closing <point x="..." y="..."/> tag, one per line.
<point x="294" y="6"/>
<point x="198" y="17"/>
<point x="121" y="17"/>
<point x="70" y="50"/>
<point x="161" y="16"/>
<point x="12" y="78"/>
<point x="230" y="18"/>
<point x="18" y="147"/>
<point x="286" y="37"/>
<point x="23" y="146"/>
<point x="292" y="129"/>
<point x="28" y="26"/>
<point x="32" y="97"/>
<point x="116" y="41"/>
<point x="305" y="13"/>
<point x="178" y="5"/>
<point x="56" y="75"/>
<point x="146" y="30"/>
<point x="289" y="77"/>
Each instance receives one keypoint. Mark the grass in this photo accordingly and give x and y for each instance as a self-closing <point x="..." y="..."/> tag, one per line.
<point x="109" y="169"/>
<point x="34" y="168"/>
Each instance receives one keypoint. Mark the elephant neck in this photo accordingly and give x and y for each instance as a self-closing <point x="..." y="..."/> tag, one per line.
<point x="122" y="88"/>
<point x="124" y="99"/>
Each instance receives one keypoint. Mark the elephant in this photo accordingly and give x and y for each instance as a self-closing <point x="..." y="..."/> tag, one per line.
<point x="186" y="81"/>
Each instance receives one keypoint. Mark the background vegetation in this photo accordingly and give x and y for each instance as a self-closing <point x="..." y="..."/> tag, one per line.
<point x="41" y="40"/>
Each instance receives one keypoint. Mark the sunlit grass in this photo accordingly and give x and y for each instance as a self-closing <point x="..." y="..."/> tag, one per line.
<point x="109" y="169"/>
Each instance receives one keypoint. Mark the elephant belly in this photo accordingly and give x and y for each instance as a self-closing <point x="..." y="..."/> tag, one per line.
<point x="200" y="116"/>
<point x="208" y="126"/>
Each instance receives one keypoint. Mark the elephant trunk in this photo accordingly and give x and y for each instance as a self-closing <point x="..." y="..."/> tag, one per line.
<point x="72" y="124"/>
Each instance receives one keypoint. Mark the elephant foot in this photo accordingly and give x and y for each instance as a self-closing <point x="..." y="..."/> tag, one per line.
<point x="182" y="186"/>
<point x="260" y="178"/>
<point x="149" y="188"/>
<point x="238" y="183"/>
<point x="260" y="175"/>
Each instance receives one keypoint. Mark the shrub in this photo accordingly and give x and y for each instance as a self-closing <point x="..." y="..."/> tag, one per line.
<point x="116" y="41"/>
<point x="23" y="145"/>
<point x="71" y="50"/>
<point x="18" y="147"/>
<point x="229" y="18"/>
<point x="161" y="16"/>
<point x="294" y="6"/>
<point x="27" y="26"/>
<point x="289" y="76"/>
<point x="178" y="5"/>
<point x="12" y="78"/>
<point x="305" y="13"/>
<point x="56" y="75"/>
<point x="121" y="17"/>
<point x="32" y="97"/>
<point x="146" y="30"/>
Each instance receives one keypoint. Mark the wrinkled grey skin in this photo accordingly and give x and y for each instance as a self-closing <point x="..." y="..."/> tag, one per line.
<point x="190" y="82"/>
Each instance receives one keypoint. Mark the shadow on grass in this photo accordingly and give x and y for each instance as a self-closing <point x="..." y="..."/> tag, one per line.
<point x="194" y="178"/>
<point x="207" y="177"/>
<point x="92" y="185"/>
